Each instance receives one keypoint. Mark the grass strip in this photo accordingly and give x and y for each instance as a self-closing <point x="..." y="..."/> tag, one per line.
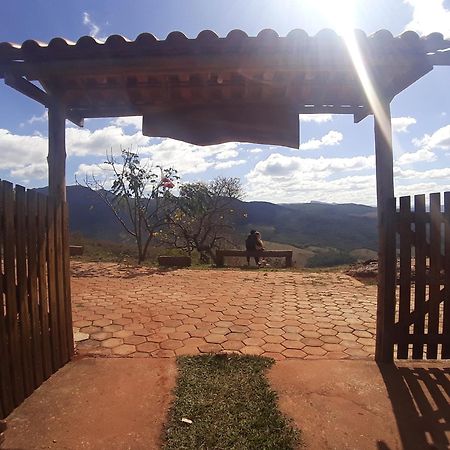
<point x="231" y="406"/>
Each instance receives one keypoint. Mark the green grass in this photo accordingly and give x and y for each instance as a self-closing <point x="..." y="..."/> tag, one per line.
<point x="231" y="405"/>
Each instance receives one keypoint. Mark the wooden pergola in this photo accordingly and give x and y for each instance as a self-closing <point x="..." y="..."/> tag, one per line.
<point x="210" y="90"/>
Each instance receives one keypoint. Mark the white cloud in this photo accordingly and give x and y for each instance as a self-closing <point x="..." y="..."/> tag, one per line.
<point x="430" y="174"/>
<point x="82" y="142"/>
<point x="18" y="151"/>
<point x="227" y="154"/>
<point x="422" y="155"/>
<point x="440" y="139"/>
<point x="255" y="150"/>
<point x="298" y="179"/>
<point x="94" y="29"/>
<point x="186" y="158"/>
<point x="131" y="121"/>
<point x="330" y="139"/>
<point x="429" y="16"/>
<point x="401" y="124"/>
<point x="229" y="164"/>
<point x="318" y="118"/>
<point x="35" y="171"/>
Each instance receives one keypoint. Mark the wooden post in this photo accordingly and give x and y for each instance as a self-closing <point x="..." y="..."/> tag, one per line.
<point x="61" y="314"/>
<point x="57" y="151"/>
<point x="384" y="351"/>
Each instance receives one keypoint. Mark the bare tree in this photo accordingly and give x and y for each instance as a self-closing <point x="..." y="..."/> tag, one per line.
<point x="139" y="196"/>
<point x="202" y="219"/>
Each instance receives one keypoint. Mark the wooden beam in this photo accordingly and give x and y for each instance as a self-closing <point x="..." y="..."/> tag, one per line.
<point x="57" y="151"/>
<point x="440" y="58"/>
<point x="29" y="89"/>
<point x="384" y="351"/>
<point x="199" y="63"/>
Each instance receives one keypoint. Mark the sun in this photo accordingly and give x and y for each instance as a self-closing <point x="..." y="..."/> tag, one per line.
<point x="340" y="14"/>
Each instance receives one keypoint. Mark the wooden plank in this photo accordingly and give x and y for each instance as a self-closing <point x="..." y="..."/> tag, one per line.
<point x="384" y="346"/>
<point x="435" y="271"/>
<point x="67" y="292"/>
<point x="32" y="207"/>
<point x="420" y="257"/>
<point x="22" y="283"/>
<point x="445" y="354"/>
<point x="59" y="265"/>
<point x="42" y="285"/>
<point x="52" y="286"/>
<point x="6" y="399"/>
<point x="57" y="151"/>
<point x="429" y="339"/>
<point x="405" y="272"/>
<point x="12" y="326"/>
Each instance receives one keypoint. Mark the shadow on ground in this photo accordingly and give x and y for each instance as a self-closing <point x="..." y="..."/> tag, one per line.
<point x="420" y="398"/>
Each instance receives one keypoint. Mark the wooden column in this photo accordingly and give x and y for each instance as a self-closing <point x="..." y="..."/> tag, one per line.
<point x="57" y="151"/>
<point x="386" y="234"/>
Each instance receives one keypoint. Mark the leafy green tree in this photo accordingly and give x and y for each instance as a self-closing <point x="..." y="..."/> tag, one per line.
<point x="202" y="216"/>
<point x="139" y="196"/>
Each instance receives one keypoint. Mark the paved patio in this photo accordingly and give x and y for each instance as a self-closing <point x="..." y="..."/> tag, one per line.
<point x="120" y="311"/>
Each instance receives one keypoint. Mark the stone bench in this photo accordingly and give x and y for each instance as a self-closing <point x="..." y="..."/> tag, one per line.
<point x="287" y="254"/>
<point x="76" y="250"/>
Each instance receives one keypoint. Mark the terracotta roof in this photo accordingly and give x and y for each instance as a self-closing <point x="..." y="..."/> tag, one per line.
<point x="238" y="82"/>
<point x="176" y="42"/>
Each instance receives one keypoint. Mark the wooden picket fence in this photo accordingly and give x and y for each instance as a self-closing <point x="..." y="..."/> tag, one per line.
<point x="36" y="337"/>
<point x="422" y="321"/>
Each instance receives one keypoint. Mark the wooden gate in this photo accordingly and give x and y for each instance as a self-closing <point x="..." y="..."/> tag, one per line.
<point x="36" y="336"/>
<point x="422" y="320"/>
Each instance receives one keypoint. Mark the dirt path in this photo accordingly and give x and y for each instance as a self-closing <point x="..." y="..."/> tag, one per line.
<point x="357" y="405"/>
<point x="94" y="403"/>
<point x="140" y="312"/>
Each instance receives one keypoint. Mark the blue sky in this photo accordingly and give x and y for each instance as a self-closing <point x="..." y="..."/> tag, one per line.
<point x="335" y="161"/>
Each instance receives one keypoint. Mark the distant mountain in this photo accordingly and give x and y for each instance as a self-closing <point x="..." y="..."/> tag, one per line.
<point x="341" y="226"/>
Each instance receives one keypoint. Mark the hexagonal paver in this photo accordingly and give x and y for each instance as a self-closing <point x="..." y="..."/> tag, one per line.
<point x="170" y="344"/>
<point x="134" y="340"/>
<point x="122" y="333"/>
<point x="251" y="350"/>
<point x="102" y="322"/>
<point x="124" y="349"/>
<point x="215" y="338"/>
<point x="233" y="345"/>
<point x="112" y="342"/>
<point x="101" y="336"/>
<point x="254" y="342"/>
<point x="147" y="347"/>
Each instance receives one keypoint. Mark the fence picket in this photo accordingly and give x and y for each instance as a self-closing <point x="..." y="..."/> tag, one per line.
<point x="420" y="285"/>
<point x="6" y="400"/>
<point x="42" y="285"/>
<point x="405" y="274"/>
<point x="434" y="271"/>
<point x="33" y="287"/>
<point x="59" y="267"/>
<point x="22" y="297"/>
<point x="67" y="292"/>
<point x="446" y="291"/>
<point x="52" y="287"/>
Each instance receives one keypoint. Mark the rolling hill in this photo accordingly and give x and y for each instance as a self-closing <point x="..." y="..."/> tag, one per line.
<point x="344" y="227"/>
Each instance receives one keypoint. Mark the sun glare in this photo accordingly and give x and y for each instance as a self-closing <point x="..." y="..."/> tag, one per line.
<point x="341" y="15"/>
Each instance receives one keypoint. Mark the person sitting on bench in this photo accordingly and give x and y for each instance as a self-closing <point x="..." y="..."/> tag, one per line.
<point x="254" y="243"/>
